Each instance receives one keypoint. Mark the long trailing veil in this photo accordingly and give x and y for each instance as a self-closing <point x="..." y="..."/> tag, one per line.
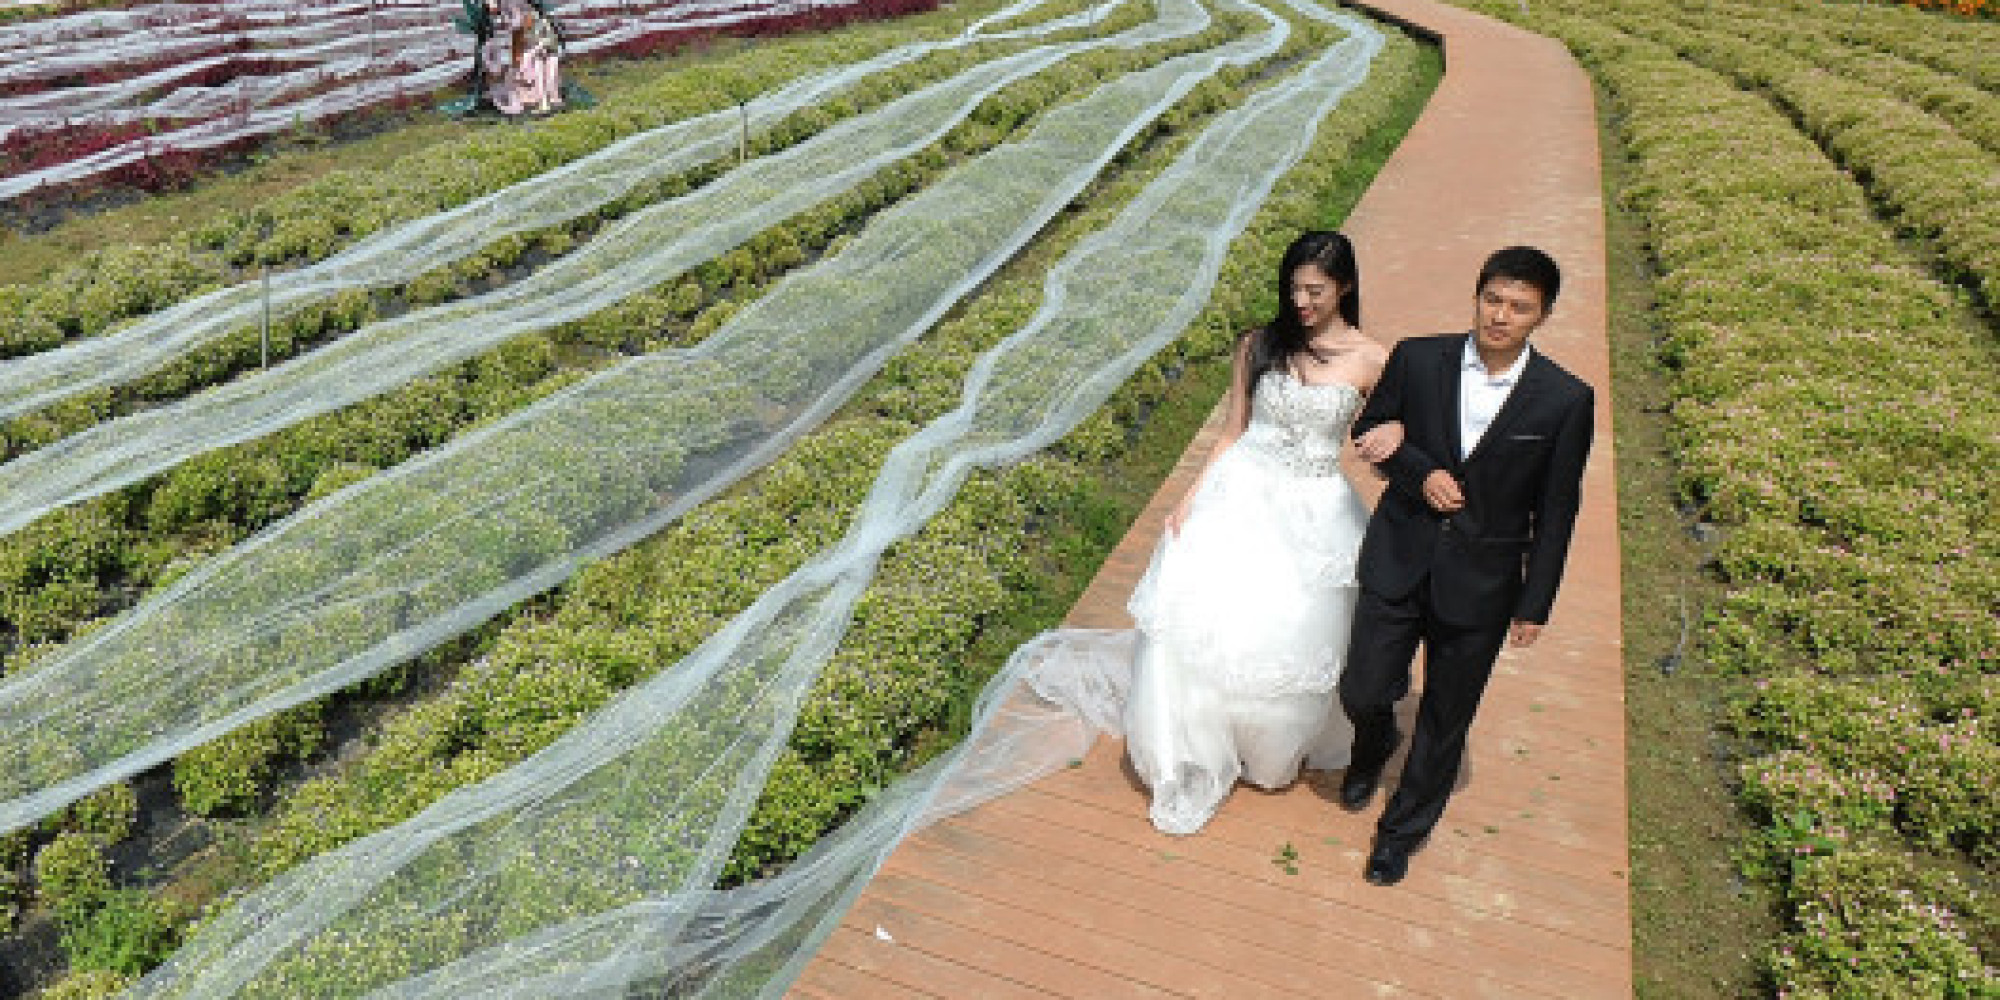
<point x="584" y="871"/>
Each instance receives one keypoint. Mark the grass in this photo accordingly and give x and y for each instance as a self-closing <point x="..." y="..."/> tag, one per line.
<point x="1697" y="925"/>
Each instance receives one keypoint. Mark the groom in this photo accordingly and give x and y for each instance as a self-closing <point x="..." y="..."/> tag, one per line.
<point x="1467" y="544"/>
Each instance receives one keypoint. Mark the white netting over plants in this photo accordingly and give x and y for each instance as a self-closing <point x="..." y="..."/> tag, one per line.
<point x="143" y="31"/>
<point x="58" y="50"/>
<point x="311" y="62"/>
<point x="141" y="68"/>
<point x="633" y="254"/>
<point x="585" y="870"/>
<point x="377" y="572"/>
<point x="93" y="43"/>
<point x="110" y="41"/>
<point x="416" y="62"/>
<point x="51" y="47"/>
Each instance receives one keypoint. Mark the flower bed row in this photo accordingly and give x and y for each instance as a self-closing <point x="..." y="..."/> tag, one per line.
<point x="1961" y="48"/>
<point x="205" y="73"/>
<point x="259" y="482"/>
<point x="40" y="146"/>
<point x="1837" y="414"/>
<point x="92" y="51"/>
<point x="23" y="84"/>
<point x="1963" y="8"/>
<point x="1940" y="185"/>
<point x="1970" y="109"/>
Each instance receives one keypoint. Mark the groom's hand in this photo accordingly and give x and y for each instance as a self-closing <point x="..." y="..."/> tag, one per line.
<point x="1524" y="633"/>
<point x="1442" y="493"/>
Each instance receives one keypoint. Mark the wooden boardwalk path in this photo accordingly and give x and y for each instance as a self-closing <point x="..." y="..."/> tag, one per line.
<point x="1064" y="890"/>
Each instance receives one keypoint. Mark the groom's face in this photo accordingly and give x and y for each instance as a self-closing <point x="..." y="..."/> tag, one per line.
<point x="1505" y="312"/>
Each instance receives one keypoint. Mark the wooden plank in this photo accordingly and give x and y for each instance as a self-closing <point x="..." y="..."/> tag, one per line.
<point x="1225" y="959"/>
<point x="1254" y="923"/>
<point x="1249" y="851"/>
<point x="950" y="928"/>
<point x="1378" y="934"/>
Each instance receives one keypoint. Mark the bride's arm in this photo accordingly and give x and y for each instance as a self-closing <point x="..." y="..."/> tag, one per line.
<point x="1235" y="418"/>
<point x="1381" y="440"/>
<point x="1406" y="467"/>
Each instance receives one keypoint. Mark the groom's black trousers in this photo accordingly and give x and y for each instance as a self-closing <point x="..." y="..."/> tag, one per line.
<point x="1458" y="660"/>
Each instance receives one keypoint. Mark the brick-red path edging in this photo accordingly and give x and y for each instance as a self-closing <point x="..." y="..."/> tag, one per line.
<point x="1064" y="890"/>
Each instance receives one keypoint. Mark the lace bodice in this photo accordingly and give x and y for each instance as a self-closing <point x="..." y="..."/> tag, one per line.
<point x="1299" y="425"/>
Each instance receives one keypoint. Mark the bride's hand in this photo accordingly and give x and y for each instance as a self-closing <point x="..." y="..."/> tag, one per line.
<point x="1380" y="442"/>
<point x="1177" y="517"/>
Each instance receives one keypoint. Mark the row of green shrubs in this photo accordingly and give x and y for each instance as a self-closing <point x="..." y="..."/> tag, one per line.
<point x="107" y="288"/>
<point x="904" y="668"/>
<point x="1961" y="48"/>
<point x="1940" y="185"/>
<point x="1969" y="108"/>
<point x="228" y="493"/>
<point x="118" y="931"/>
<point x="1836" y="414"/>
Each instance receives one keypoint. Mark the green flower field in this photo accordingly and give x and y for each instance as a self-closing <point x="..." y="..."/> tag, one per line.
<point x="1817" y="183"/>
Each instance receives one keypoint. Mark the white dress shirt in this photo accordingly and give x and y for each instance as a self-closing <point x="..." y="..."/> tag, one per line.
<point x="1481" y="395"/>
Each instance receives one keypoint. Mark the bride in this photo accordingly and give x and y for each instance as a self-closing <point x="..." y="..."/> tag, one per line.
<point x="1243" y="614"/>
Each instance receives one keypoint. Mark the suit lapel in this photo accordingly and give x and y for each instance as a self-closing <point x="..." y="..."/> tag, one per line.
<point x="1518" y="401"/>
<point x="1449" y="372"/>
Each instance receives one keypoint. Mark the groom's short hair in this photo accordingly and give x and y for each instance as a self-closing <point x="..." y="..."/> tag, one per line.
<point x="1524" y="264"/>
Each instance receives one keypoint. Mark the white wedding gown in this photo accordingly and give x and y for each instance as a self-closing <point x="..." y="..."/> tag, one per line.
<point x="1242" y="618"/>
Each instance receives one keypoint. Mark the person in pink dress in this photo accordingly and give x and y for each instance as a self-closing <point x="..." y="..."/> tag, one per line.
<point x="521" y="59"/>
<point x="539" y="61"/>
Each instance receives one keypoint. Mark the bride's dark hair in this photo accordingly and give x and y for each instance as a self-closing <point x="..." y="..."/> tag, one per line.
<point x="1285" y="336"/>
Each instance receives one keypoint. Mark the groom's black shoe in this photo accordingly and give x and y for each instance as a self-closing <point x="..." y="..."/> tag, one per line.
<point x="1388" y="862"/>
<point x="1358" y="785"/>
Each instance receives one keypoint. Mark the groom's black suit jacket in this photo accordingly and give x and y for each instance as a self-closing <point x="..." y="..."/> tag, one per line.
<point x="1501" y="556"/>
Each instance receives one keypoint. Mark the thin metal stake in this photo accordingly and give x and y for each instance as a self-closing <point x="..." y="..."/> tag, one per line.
<point x="267" y="317"/>
<point x="743" y="136"/>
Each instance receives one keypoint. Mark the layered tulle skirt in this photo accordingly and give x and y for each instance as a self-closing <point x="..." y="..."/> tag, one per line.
<point x="1243" y="620"/>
